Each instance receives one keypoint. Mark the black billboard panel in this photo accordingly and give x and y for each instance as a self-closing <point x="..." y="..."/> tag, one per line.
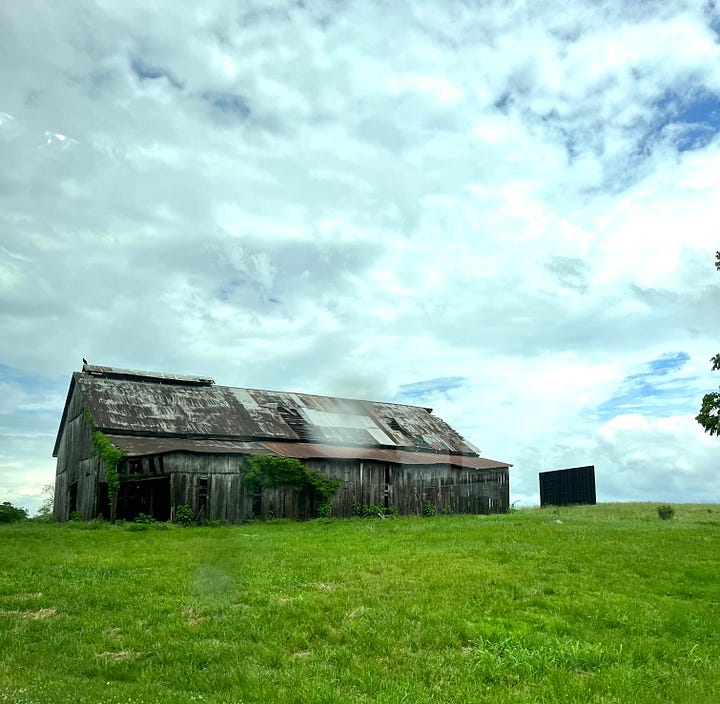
<point x="563" y="487"/>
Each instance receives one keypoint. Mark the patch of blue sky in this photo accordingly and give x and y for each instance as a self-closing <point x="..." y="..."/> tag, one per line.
<point x="658" y="391"/>
<point x="230" y="104"/>
<point x="669" y="362"/>
<point x="704" y="109"/>
<point x="429" y="388"/>
<point x="35" y="389"/>
<point x="691" y="118"/>
<point x="147" y="72"/>
<point x="12" y="375"/>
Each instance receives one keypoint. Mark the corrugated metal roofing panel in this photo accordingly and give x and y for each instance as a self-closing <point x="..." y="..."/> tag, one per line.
<point x="165" y="405"/>
<point x="140" y="446"/>
<point x="127" y="405"/>
<point x="313" y="451"/>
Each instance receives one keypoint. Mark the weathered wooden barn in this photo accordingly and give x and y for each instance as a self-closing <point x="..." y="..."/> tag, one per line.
<point x="184" y="439"/>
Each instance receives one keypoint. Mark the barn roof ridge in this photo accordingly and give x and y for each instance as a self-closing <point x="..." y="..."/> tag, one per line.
<point x="149" y="377"/>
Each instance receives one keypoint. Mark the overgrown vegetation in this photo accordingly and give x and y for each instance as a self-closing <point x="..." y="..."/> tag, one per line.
<point x="665" y="512"/>
<point x="324" y="510"/>
<point x="268" y="470"/>
<point x="184" y="515"/>
<point x="610" y="606"/>
<point x="373" y="511"/>
<point x="12" y="514"/>
<point x="429" y="509"/>
<point x="111" y="455"/>
<point x="144" y="518"/>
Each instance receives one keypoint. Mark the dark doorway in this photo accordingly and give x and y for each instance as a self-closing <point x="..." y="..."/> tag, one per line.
<point x="103" y="501"/>
<point x="72" y="497"/>
<point x="148" y="496"/>
<point x="202" y="498"/>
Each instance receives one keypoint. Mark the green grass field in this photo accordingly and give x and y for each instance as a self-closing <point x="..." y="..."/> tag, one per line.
<point x="609" y="605"/>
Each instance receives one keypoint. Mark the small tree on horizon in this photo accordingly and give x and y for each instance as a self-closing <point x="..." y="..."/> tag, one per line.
<point x="45" y="512"/>
<point x="709" y="416"/>
<point x="12" y="514"/>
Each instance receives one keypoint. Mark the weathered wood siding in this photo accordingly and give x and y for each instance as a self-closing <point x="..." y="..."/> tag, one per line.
<point x="218" y="478"/>
<point x="226" y="499"/>
<point x="407" y="487"/>
<point x="211" y="484"/>
<point x="404" y="487"/>
<point x="79" y="471"/>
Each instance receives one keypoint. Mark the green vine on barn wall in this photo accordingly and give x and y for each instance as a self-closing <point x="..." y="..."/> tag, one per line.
<point x="111" y="455"/>
<point x="269" y="470"/>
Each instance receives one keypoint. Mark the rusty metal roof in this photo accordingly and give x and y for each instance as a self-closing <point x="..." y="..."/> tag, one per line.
<point x="136" y="446"/>
<point x="311" y="451"/>
<point x="194" y="409"/>
<point x="139" y="446"/>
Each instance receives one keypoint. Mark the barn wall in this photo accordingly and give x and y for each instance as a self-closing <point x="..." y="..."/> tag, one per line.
<point x="211" y="484"/>
<point x="407" y="487"/>
<point x="78" y="470"/>
<point x="285" y="502"/>
<point x="225" y="496"/>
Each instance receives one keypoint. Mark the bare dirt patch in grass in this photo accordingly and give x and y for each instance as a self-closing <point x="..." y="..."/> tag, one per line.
<point x="120" y="655"/>
<point x="32" y="615"/>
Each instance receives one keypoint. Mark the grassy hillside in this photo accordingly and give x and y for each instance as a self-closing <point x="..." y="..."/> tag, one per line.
<point x="593" y="604"/>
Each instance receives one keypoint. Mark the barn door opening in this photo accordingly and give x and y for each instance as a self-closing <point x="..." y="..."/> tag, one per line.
<point x="202" y="498"/>
<point x="103" y="501"/>
<point x="386" y="492"/>
<point x="72" y="497"/>
<point x="148" y="496"/>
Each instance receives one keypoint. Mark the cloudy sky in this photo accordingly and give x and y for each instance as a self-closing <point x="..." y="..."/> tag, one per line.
<point x="506" y="211"/>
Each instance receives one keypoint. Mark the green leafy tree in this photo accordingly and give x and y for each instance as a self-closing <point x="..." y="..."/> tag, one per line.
<point x="11" y="514"/>
<point x="709" y="416"/>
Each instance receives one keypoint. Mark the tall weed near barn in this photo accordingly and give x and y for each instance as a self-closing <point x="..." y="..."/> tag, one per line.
<point x="610" y="605"/>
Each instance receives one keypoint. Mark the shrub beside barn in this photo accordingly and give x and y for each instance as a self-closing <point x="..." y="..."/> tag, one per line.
<point x="143" y="442"/>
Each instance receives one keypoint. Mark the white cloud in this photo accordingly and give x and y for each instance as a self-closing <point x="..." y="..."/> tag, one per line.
<point x="352" y="198"/>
